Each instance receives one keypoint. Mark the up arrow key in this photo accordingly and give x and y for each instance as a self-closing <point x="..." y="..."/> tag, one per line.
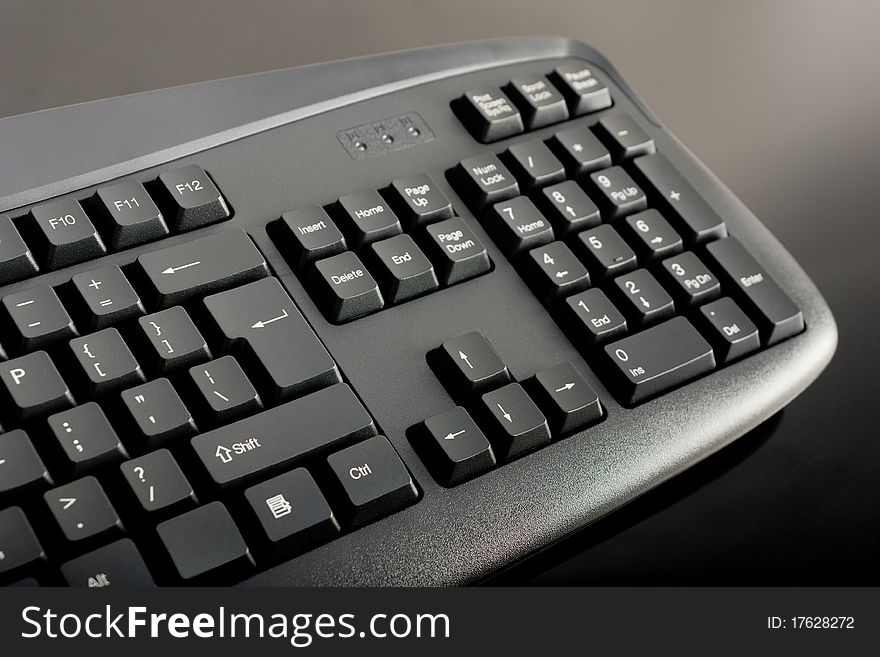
<point x="567" y="386"/>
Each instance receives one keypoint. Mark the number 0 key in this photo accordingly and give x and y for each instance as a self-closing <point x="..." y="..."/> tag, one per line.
<point x="658" y="359"/>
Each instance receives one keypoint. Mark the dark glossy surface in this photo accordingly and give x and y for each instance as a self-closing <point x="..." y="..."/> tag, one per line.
<point x="791" y="129"/>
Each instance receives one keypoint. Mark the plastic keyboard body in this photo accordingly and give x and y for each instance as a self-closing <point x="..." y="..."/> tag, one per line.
<point x="402" y="320"/>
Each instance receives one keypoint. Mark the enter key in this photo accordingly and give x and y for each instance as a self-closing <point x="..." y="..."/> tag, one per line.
<point x="261" y="324"/>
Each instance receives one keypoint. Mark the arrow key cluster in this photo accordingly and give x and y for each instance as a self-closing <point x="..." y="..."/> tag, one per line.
<point x="499" y="419"/>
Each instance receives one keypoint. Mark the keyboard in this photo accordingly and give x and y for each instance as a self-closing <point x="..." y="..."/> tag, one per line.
<point x="406" y="320"/>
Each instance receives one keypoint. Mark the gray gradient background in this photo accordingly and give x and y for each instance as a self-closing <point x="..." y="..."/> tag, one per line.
<point x="780" y="99"/>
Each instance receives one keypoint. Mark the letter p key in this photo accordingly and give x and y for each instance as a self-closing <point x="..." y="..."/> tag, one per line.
<point x="17" y="375"/>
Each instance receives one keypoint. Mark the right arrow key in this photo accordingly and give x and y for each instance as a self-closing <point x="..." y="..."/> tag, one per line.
<point x="569" y="401"/>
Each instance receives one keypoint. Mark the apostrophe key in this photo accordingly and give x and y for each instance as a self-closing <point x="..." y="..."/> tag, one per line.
<point x="156" y="414"/>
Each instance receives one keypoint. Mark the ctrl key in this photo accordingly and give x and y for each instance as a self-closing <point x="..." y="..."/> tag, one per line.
<point x="346" y="289"/>
<point x="374" y="480"/>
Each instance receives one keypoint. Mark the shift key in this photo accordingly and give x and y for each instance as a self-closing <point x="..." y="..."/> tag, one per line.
<point x="203" y="266"/>
<point x="280" y="437"/>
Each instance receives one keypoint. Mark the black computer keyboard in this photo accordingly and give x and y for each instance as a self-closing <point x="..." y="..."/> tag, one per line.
<point x="402" y="320"/>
